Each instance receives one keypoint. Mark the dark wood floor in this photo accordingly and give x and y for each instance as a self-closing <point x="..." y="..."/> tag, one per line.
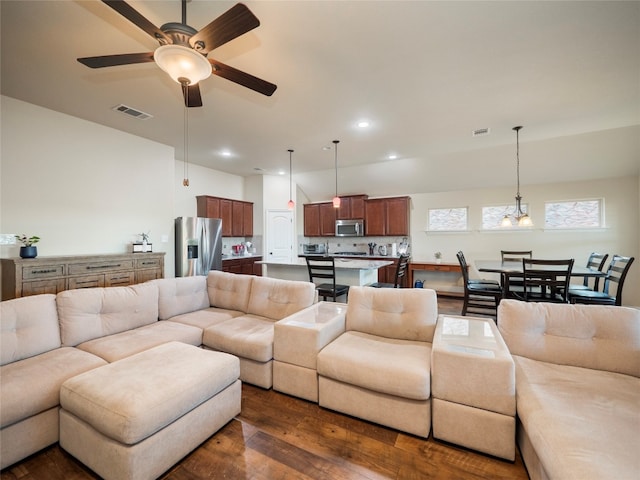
<point x="281" y="437"/>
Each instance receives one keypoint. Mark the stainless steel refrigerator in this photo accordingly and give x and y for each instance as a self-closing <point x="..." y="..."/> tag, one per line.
<point x="198" y="245"/>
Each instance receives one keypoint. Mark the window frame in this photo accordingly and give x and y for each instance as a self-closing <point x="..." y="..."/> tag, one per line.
<point x="601" y="217"/>
<point x="466" y="216"/>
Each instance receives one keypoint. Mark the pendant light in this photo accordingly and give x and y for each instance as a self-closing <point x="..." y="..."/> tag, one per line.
<point x="291" y="203"/>
<point x="522" y="219"/>
<point x="336" y="199"/>
<point x="185" y="149"/>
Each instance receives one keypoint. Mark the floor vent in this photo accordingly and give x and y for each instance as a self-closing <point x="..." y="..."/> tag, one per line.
<point x="132" y="112"/>
<point x="480" y="132"/>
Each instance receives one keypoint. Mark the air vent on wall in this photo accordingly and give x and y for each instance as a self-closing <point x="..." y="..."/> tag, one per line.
<point x="132" y="112"/>
<point x="480" y="132"/>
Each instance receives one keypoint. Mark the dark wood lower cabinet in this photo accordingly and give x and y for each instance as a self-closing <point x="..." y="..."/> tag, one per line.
<point x="245" y="266"/>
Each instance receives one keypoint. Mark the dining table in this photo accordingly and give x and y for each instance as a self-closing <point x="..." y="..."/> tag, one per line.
<point x="509" y="270"/>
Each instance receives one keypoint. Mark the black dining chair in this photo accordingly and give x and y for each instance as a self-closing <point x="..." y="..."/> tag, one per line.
<point x="616" y="274"/>
<point x="595" y="262"/>
<point x="514" y="288"/>
<point x="479" y="298"/>
<point x="463" y="260"/>
<point x="324" y="268"/>
<point x="546" y="280"/>
<point x="401" y="271"/>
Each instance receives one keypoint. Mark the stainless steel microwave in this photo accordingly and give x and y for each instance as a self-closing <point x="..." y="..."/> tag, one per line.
<point x="350" y="228"/>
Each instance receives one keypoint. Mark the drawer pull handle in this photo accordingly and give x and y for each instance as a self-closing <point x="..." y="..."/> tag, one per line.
<point x="49" y="270"/>
<point x="95" y="267"/>
<point x="148" y="263"/>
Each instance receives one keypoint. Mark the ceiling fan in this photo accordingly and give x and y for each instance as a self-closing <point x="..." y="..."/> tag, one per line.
<point x="183" y="50"/>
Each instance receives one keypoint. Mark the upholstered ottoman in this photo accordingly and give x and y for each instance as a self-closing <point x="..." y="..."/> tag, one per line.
<point x="135" y="418"/>
<point x="473" y="386"/>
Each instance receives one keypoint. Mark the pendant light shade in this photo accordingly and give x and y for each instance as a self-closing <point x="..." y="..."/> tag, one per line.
<point x="336" y="199"/>
<point x="521" y="219"/>
<point x="291" y="204"/>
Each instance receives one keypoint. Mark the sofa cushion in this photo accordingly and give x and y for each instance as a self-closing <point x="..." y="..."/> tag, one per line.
<point x="392" y="366"/>
<point x="91" y="313"/>
<point x="590" y="336"/>
<point x="28" y="326"/>
<point x="582" y="423"/>
<point x="407" y="313"/>
<point x="32" y="385"/>
<point x="248" y="336"/>
<point x="275" y="299"/>
<point x="206" y="317"/>
<point x="229" y="290"/>
<point x="181" y="295"/>
<point x="124" y="344"/>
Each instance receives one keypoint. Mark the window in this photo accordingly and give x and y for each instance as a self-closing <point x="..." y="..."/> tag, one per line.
<point x="492" y="216"/>
<point x="573" y="214"/>
<point x="447" y="219"/>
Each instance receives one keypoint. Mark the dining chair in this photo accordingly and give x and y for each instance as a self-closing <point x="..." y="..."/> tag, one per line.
<point x="515" y="285"/>
<point x="596" y="262"/>
<point x="462" y="260"/>
<point x="324" y="268"/>
<point x="616" y="273"/>
<point x="401" y="271"/>
<point x="482" y="298"/>
<point x="546" y="280"/>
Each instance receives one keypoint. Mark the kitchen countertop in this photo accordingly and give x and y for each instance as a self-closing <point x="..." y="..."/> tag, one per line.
<point x="355" y="257"/>
<point x="234" y="257"/>
<point x="357" y="263"/>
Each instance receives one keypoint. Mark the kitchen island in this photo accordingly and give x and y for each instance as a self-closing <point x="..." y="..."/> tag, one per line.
<point x="348" y="271"/>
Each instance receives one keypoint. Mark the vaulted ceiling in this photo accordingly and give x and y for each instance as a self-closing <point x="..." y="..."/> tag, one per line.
<point x="424" y="74"/>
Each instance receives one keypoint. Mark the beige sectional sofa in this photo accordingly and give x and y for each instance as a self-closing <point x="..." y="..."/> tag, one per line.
<point x="577" y="388"/>
<point x="49" y="339"/>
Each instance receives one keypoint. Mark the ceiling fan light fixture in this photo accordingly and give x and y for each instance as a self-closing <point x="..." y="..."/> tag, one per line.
<point x="182" y="63"/>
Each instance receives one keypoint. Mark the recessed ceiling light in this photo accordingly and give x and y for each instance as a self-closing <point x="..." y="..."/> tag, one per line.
<point x="326" y="147"/>
<point x="281" y="172"/>
<point x="225" y="153"/>
<point x="363" y="124"/>
<point x="393" y="156"/>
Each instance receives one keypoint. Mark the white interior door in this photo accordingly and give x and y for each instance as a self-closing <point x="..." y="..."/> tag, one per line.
<point x="279" y="236"/>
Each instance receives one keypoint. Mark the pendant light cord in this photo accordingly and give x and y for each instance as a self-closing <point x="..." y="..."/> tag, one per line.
<point x="517" y="129"/>
<point x="336" y="163"/>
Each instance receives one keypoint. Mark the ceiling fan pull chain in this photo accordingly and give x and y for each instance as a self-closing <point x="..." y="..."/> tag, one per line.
<point x="185" y="137"/>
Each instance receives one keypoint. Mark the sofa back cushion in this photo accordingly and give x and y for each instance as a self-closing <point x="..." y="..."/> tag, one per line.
<point x="181" y="295"/>
<point x="91" y="313"/>
<point x="401" y="313"/>
<point x="276" y="299"/>
<point x="229" y="290"/>
<point x="28" y="327"/>
<point x="591" y="336"/>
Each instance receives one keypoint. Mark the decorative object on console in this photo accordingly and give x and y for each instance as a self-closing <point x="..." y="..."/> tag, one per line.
<point x="438" y="257"/>
<point x="143" y="246"/>
<point x="291" y="205"/>
<point x="522" y="219"/>
<point x="28" y="250"/>
<point x="336" y="199"/>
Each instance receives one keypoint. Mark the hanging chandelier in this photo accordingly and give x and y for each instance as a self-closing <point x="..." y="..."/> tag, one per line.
<point x="291" y="203"/>
<point x="521" y="219"/>
<point x="336" y="199"/>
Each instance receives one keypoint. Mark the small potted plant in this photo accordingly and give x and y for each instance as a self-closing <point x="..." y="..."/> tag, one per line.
<point x="28" y="250"/>
<point x="438" y="257"/>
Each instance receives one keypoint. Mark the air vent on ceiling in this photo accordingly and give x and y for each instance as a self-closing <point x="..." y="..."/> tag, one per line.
<point x="480" y="132"/>
<point x="132" y="112"/>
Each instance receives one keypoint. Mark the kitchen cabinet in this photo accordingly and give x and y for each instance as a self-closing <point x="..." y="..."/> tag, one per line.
<point x="319" y="219"/>
<point x="387" y="216"/>
<point x="22" y="277"/>
<point x="243" y="265"/>
<point x="236" y="215"/>
<point x="351" y="207"/>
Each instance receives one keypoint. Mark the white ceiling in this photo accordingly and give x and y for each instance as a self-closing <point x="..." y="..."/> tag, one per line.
<point x="424" y="73"/>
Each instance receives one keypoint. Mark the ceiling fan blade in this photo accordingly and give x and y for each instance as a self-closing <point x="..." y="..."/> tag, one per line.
<point x="128" y="12"/>
<point x="241" y="78"/>
<point x="231" y="24"/>
<point x="191" y="94"/>
<point x="114" y="60"/>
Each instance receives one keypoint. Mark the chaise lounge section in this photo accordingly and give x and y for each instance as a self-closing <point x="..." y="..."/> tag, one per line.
<point x="577" y="388"/>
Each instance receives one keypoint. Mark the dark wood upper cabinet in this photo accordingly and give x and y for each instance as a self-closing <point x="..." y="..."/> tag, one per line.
<point x="327" y="219"/>
<point x="375" y="213"/>
<point x="311" y="212"/>
<point x="236" y="215"/>
<point x="351" y="207"/>
<point x="387" y="216"/>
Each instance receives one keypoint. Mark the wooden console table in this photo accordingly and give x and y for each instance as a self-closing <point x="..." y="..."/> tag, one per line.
<point x="32" y="276"/>
<point x="433" y="267"/>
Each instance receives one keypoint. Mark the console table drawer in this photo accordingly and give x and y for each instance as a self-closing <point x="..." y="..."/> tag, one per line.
<point x="86" y="281"/>
<point x="148" y="263"/>
<point x="42" y="271"/>
<point x="40" y="287"/>
<point x="80" y="268"/>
